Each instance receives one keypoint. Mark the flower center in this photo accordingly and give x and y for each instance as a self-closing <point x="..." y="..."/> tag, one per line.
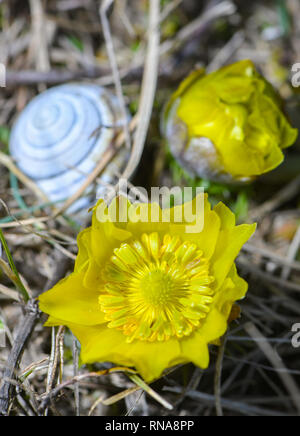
<point x="156" y="289"/>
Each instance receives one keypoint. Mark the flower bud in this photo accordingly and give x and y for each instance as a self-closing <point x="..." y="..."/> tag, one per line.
<point x="227" y="126"/>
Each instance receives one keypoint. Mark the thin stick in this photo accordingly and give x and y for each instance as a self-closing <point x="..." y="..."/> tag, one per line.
<point x="51" y="365"/>
<point x="54" y="358"/>
<point x="96" y="404"/>
<point x="52" y="77"/>
<point x="114" y="66"/>
<point x="121" y="395"/>
<point x="225" y="8"/>
<point x="218" y="377"/>
<point x="39" y="46"/>
<point x="283" y="196"/>
<point x="139" y="382"/>
<point x="9" y="293"/>
<point x="255" y="249"/>
<point x="75" y="370"/>
<point x="292" y="253"/>
<point x="169" y="8"/>
<point x="227" y="51"/>
<point x="8" y="163"/>
<point x="266" y="277"/>
<point x="78" y="379"/>
<point x="235" y="406"/>
<point x="55" y="353"/>
<point x="25" y="330"/>
<point x="192" y="385"/>
<point x="148" y="89"/>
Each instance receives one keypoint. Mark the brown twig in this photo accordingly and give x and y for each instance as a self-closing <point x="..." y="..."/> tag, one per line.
<point x="235" y="406"/>
<point x="148" y="89"/>
<point x="266" y="277"/>
<point x="114" y="66"/>
<point x="282" y="197"/>
<point x="25" y="330"/>
<point x="218" y="377"/>
<point x="39" y="46"/>
<point x="223" y="9"/>
<point x="268" y="254"/>
<point x="291" y="255"/>
<point x="227" y="51"/>
<point x="9" y="164"/>
<point x="169" y="8"/>
<point x="78" y="379"/>
<point x="52" y="77"/>
<point x="75" y="355"/>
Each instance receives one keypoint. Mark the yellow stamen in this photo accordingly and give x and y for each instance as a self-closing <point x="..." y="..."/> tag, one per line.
<point x="157" y="289"/>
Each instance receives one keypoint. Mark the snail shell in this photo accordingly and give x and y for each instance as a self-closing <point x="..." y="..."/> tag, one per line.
<point x="54" y="140"/>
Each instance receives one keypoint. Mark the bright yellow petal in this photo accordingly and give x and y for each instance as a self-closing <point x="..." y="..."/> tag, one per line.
<point x="184" y="86"/>
<point x="206" y="240"/>
<point x="83" y="242"/>
<point x="194" y="349"/>
<point x="152" y="358"/>
<point x="146" y="218"/>
<point x="101" y="344"/>
<point x="105" y="235"/>
<point x="227" y="217"/>
<point x="99" y="241"/>
<point x="214" y="326"/>
<point x="70" y="301"/>
<point x="233" y="290"/>
<point x="229" y="244"/>
<point x="54" y="322"/>
<point x="189" y="81"/>
<point x="244" y="67"/>
<point x="246" y="163"/>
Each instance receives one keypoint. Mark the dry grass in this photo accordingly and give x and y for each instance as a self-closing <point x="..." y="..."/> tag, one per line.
<point x="50" y="42"/>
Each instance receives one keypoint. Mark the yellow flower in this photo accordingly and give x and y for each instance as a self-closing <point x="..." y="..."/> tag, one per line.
<point x="228" y="125"/>
<point x="150" y="295"/>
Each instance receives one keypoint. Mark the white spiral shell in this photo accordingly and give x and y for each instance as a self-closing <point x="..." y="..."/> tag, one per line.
<point x="53" y="143"/>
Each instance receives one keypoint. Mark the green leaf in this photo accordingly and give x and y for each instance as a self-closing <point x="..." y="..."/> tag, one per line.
<point x="77" y="43"/>
<point x="241" y="207"/>
<point x="4" y="137"/>
<point x="17" y="281"/>
<point x="135" y="46"/>
<point x="285" y="19"/>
